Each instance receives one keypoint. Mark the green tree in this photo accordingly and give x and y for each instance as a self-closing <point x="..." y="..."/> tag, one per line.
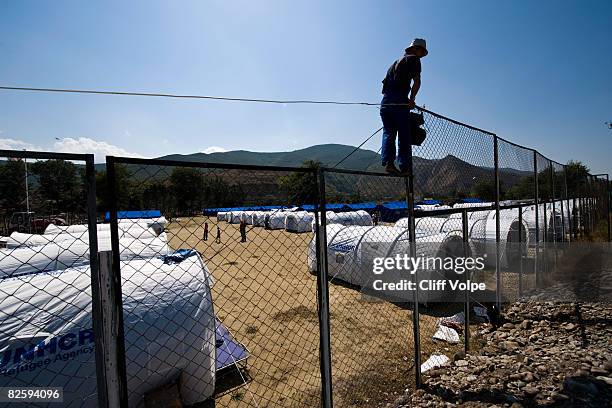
<point x="187" y="186"/>
<point x="485" y="189"/>
<point x="576" y="173"/>
<point x="158" y="195"/>
<point x="12" y="186"/>
<point x="522" y="190"/>
<point x="219" y="193"/>
<point x="126" y="194"/>
<point x="59" y="187"/>
<point x="301" y="187"/>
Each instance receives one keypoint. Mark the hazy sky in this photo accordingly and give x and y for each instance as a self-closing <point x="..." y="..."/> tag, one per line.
<point x="536" y="72"/>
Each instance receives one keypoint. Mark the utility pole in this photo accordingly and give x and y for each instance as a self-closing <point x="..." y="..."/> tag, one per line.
<point x="25" y="165"/>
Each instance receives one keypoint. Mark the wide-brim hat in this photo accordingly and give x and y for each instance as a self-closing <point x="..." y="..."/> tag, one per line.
<point x="418" y="42"/>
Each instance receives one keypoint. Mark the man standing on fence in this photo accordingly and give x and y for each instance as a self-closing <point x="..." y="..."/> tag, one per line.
<point x="400" y="86"/>
<point x="218" y="239"/>
<point x="205" y="231"/>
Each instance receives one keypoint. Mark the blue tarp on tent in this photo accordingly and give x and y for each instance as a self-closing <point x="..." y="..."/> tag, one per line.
<point x="135" y="214"/>
<point x="393" y="211"/>
<point x="337" y="207"/>
<point x="328" y="207"/>
<point x="363" y="206"/>
<point x="272" y="207"/>
<point x="430" y="202"/>
<point x="211" y="212"/>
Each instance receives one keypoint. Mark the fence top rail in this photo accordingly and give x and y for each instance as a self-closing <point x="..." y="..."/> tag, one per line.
<point x="448" y="211"/>
<point x="456" y="122"/>
<point x="557" y="163"/>
<point x="28" y="154"/>
<point x="501" y="139"/>
<point x="181" y="163"/>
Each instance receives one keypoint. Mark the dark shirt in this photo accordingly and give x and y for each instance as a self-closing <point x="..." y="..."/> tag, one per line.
<point x="399" y="76"/>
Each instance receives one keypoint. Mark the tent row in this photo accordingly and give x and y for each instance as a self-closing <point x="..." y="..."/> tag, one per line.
<point x="369" y="206"/>
<point x="352" y="249"/>
<point x="293" y="220"/>
<point x="555" y="222"/>
<point x="45" y="314"/>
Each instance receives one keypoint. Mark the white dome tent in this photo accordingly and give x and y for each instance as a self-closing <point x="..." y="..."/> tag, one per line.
<point x="352" y="249"/>
<point x="483" y="236"/>
<point x="472" y="205"/>
<point x="258" y="218"/>
<point x="246" y="216"/>
<point x="66" y="253"/>
<point x="481" y="231"/>
<point x="18" y="239"/>
<point x="275" y="220"/>
<point x="154" y="318"/>
<point x="235" y="217"/>
<point x="299" y="221"/>
<point x="357" y="218"/>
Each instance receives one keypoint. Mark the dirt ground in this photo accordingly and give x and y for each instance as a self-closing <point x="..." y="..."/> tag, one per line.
<point x="266" y="296"/>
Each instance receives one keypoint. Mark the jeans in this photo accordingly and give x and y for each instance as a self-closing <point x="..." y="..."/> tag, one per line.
<point x="395" y="123"/>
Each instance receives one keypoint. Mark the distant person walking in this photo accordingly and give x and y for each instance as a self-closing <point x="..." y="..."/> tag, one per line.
<point x="375" y="219"/>
<point x="205" y="231"/>
<point x="400" y="86"/>
<point x="243" y="231"/>
<point x="218" y="239"/>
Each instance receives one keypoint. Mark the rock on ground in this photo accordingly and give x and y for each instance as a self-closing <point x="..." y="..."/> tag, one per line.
<point x="545" y="354"/>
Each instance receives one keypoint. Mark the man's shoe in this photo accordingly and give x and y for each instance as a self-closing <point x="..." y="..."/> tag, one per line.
<point x="391" y="169"/>
<point x="404" y="173"/>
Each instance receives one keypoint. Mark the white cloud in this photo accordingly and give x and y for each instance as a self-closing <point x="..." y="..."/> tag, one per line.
<point x="86" y="145"/>
<point x="15" y="144"/>
<point x="214" y="149"/>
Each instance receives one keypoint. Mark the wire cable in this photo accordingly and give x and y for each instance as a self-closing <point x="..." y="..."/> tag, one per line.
<point x="357" y="148"/>
<point x="225" y="98"/>
<point x="167" y="95"/>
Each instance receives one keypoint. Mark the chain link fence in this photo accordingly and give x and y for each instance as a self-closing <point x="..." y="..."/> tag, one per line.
<point x="234" y="285"/>
<point x="225" y="299"/>
<point x="48" y="268"/>
<point x="372" y="335"/>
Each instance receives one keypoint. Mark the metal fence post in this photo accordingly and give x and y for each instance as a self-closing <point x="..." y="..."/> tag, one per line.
<point x="609" y="210"/>
<point x="409" y="182"/>
<point x="105" y="359"/>
<point x="114" y="283"/>
<point x="545" y="243"/>
<point x="498" y="283"/>
<point x="592" y="203"/>
<point x="466" y="307"/>
<point x="582" y="216"/>
<point x="552" y="200"/>
<point x="323" y="301"/>
<point x="520" y="241"/>
<point x="554" y="215"/>
<point x="567" y="199"/>
<point x="563" y="215"/>
<point x="576" y="217"/>
<point x="112" y="389"/>
<point x="537" y="217"/>
<point x="586" y="205"/>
